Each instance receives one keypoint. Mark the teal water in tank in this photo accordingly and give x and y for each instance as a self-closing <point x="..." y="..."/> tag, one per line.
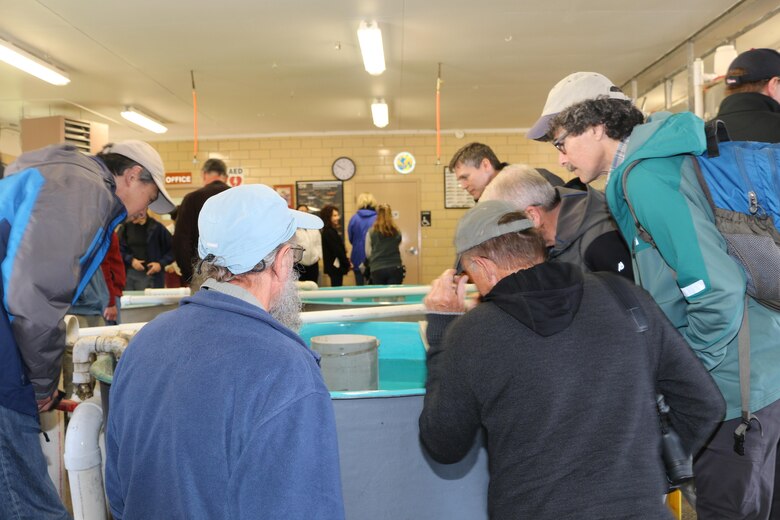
<point x="401" y="355"/>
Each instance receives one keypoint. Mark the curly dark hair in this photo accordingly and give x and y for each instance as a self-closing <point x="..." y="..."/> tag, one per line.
<point x="325" y="214"/>
<point x="619" y="117"/>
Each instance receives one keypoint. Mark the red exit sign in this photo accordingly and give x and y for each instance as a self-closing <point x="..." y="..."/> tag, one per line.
<point x="178" y="178"/>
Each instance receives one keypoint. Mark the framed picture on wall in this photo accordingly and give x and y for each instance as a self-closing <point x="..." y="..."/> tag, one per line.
<point x="454" y="195"/>
<point x="286" y="191"/>
<point x="318" y="194"/>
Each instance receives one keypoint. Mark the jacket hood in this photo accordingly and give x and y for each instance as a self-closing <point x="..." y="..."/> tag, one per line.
<point x="544" y="298"/>
<point x="665" y="135"/>
<point x="366" y="213"/>
<point x="60" y="153"/>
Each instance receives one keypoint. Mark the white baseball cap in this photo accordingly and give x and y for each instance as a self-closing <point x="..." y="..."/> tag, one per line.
<point x="146" y="156"/>
<point x="240" y="226"/>
<point x="571" y="90"/>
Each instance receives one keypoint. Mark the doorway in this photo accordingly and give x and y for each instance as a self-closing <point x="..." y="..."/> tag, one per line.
<point x="403" y="195"/>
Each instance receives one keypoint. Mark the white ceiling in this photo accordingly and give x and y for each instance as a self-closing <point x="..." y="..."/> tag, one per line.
<point x="275" y="66"/>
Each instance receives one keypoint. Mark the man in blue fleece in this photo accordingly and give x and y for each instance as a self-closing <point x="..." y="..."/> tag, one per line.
<point x="218" y="409"/>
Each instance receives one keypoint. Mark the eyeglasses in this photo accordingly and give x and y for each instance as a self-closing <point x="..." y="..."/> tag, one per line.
<point x="559" y="143"/>
<point x="297" y="253"/>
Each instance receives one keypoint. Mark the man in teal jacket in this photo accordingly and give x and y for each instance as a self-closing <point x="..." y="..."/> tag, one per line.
<point x="698" y="285"/>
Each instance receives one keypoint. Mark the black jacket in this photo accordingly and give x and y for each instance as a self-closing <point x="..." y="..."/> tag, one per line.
<point x="332" y="249"/>
<point x="158" y="248"/>
<point x="185" y="234"/>
<point x="751" y="116"/>
<point x="553" y="368"/>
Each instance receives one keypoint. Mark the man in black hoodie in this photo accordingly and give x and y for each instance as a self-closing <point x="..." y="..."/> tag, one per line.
<point x="553" y="367"/>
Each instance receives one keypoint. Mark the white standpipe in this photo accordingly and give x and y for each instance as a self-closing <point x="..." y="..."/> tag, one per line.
<point x="83" y="461"/>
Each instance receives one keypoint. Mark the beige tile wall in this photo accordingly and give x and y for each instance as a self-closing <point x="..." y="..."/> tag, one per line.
<point x="284" y="160"/>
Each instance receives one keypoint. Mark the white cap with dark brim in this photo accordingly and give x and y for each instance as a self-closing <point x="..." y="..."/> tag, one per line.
<point x="571" y="90"/>
<point x="146" y="156"/>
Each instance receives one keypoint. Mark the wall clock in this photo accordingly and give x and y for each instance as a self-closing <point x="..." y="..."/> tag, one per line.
<point x="343" y="168"/>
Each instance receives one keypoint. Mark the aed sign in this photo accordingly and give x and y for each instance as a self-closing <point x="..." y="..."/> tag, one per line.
<point x="235" y="176"/>
<point x="178" y="178"/>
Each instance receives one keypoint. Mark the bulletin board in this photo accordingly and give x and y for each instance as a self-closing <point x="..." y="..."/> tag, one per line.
<point x="454" y="195"/>
<point x="318" y="194"/>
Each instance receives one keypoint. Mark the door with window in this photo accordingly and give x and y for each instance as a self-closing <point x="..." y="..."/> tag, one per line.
<point x="403" y="195"/>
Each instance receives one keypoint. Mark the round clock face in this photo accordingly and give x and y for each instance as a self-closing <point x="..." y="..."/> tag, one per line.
<point x="343" y="168"/>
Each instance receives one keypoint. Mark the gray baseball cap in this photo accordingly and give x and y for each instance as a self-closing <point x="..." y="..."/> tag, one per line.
<point x="146" y="156"/>
<point x="480" y="224"/>
<point x="571" y="90"/>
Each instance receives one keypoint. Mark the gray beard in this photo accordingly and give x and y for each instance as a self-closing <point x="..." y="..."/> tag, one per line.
<point x="287" y="307"/>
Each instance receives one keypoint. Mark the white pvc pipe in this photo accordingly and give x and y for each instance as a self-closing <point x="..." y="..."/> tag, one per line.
<point x="369" y="292"/>
<point x="83" y="461"/>
<point x="53" y="424"/>
<point x="112" y="330"/>
<point x="390" y="311"/>
<point x="138" y="299"/>
<point x="169" y="291"/>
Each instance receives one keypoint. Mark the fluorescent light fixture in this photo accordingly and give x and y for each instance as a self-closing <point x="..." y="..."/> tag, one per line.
<point x="379" y="113"/>
<point x="135" y="116"/>
<point x="23" y="60"/>
<point x="370" y="39"/>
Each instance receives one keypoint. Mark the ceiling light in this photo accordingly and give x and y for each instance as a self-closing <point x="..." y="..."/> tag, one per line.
<point x="370" y="39"/>
<point x="23" y="60"/>
<point x="379" y="113"/>
<point x="135" y="116"/>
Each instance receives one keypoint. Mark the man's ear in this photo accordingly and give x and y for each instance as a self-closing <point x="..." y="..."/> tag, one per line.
<point x="535" y="215"/>
<point x="599" y="131"/>
<point x="280" y="267"/>
<point x="484" y="164"/>
<point x="132" y="173"/>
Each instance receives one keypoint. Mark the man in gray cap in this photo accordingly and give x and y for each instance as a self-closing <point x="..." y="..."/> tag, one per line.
<point x="558" y="373"/>
<point x="260" y="440"/>
<point x="751" y="109"/>
<point x="58" y="209"/>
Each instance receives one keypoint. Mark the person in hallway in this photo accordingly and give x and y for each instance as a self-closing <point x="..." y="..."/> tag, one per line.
<point x="383" y="249"/>
<point x="185" y="239"/>
<point x="690" y="274"/>
<point x="261" y="441"/>
<point x="552" y="366"/>
<point x="58" y="208"/>
<point x="311" y="240"/>
<point x="146" y="250"/>
<point x="576" y="224"/>
<point x="357" y="229"/>
<point x="475" y="165"/>
<point x="334" y="255"/>
<point x="113" y="267"/>
<point x="751" y="108"/>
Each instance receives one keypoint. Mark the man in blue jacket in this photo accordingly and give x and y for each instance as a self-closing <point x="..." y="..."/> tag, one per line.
<point x="258" y="440"/>
<point x="689" y="273"/>
<point x="58" y="209"/>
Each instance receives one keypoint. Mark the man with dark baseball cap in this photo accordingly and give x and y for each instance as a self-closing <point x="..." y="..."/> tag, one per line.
<point x="751" y="109"/>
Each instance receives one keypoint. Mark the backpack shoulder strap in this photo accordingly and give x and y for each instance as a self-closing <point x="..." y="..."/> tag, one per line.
<point x="640" y="230"/>
<point x="626" y="297"/>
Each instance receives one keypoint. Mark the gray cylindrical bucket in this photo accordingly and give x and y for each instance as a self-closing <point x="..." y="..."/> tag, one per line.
<point x="349" y="362"/>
